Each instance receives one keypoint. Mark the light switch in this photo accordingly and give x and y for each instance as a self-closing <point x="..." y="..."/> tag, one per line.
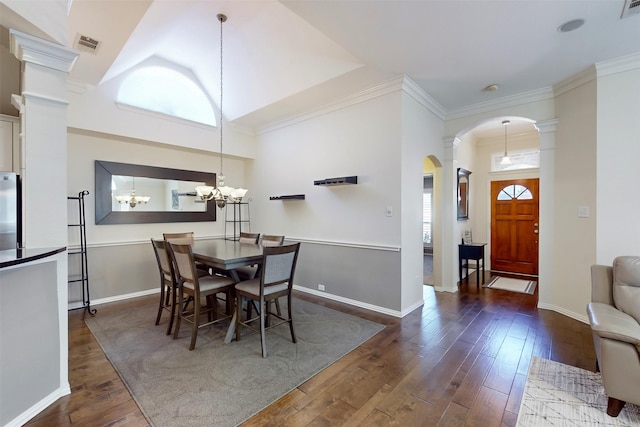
<point x="583" y="212"/>
<point x="389" y="210"/>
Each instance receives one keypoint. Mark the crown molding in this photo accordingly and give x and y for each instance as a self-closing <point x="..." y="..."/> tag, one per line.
<point x="536" y="95"/>
<point x="41" y="52"/>
<point x="416" y="92"/>
<point x="77" y="86"/>
<point x="618" y="65"/>
<point x="578" y="79"/>
<point x="384" y="88"/>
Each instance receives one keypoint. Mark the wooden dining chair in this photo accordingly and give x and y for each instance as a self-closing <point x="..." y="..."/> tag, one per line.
<point x="275" y="282"/>
<point x="167" y="281"/>
<point x="249" y="238"/>
<point x="186" y="237"/>
<point x="191" y="284"/>
<point x="272" y="240"/>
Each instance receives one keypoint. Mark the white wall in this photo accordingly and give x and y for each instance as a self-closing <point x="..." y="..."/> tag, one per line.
<point x="421" y="136"/>
<point x="339" y="224"/>
<point x="575" y="185"/>
<point x="618" y="152"/>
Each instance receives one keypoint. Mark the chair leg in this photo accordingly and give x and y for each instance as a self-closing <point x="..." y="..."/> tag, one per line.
<point x="196" y="322"/>
<point x="614" y="406"/>
<point x="172" y="290"/>
<point x="161" y="306"/>
<point x="293" y="335"/>
<point x="263" y="336"/>
<point x="238" y="314"/>
<point x="180" y="312"/>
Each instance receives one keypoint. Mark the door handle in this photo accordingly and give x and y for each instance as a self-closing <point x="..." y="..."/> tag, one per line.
<point x="535" y="224"/>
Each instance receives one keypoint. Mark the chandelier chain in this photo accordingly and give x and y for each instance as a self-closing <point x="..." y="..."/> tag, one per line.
<point x="222" y="18"/>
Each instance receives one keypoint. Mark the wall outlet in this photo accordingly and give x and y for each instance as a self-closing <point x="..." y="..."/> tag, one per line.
<point x="320" y="287"/>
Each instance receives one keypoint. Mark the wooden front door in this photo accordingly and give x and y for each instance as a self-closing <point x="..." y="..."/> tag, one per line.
<point x="514" y="226"/>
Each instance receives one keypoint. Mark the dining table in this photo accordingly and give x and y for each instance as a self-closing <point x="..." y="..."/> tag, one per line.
<point x="222" y="254"/>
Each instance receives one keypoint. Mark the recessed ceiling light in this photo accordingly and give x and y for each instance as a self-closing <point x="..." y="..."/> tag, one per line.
<point x="571" y="25"/>
<point x="491" y="88"/>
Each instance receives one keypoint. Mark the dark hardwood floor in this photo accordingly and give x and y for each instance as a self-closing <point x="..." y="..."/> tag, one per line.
<point x="460" y="360"/>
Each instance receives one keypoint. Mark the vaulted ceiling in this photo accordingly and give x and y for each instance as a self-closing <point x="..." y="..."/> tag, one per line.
<point x="286" y="57"/>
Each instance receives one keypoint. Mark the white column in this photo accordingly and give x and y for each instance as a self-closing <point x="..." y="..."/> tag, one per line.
<point x="449" y="261"/>
<point x="43" y="113"/>
<point x="547" y="130"/>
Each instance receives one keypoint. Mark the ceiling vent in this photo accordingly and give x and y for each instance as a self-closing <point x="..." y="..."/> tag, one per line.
<point x="631" y="7"/>
<point x="88" y="44"/>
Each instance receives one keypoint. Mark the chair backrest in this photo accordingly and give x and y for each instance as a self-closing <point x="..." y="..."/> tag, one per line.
<point x="279" y="265"/>
<point x="163" y="258"/>
<point x="251" y="238"/>
<point x="182" y="257"/>
<point x="187" y="237"/>
<point x="270" y="240"/>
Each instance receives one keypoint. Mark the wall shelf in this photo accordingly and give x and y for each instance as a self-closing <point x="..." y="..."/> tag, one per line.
<point x="288" y="197"/>
<point x="343" y="180"/>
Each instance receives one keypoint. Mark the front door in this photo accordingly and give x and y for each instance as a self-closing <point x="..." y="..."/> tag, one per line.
<point x="514" y="226"/>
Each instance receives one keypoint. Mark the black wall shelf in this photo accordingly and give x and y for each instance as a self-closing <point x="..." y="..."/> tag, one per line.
<point x="288" y="197"/>
<point x="343" y="180"/>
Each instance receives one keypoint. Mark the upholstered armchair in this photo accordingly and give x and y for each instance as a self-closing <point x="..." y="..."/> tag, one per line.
<point x="614" y="314"/>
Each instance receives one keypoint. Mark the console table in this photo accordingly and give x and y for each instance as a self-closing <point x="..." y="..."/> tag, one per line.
<point x="471" y="251"/>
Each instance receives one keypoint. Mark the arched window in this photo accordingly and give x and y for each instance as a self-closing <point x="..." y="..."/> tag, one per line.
<point x="163" y="90"/>
<point x="515" y="191"/>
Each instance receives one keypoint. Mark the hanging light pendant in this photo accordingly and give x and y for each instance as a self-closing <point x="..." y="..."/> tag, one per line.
<point x="505" y="159"/>
<point x="131" y="199"/>
<point x="221" y="193"/>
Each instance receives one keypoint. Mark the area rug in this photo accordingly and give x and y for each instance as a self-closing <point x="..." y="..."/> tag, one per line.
<point x="218" y="385"/>
<point x="513" y="285"/>
<point x="561" y="395"/>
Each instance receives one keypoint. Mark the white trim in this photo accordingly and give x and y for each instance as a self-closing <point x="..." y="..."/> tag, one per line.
<point x="423" y="98"/>
<point x="293" y="239"/>
<point x="618" y="65"/>
<point x="536" y="95"/>
<point x="163" y="116"/>
<point x="33" y="95"/>
<point x="77" y="86"/>
<point x="443" y="289"/>
<point x="366" y="306"/>
<point x="31" y="49"/>
<point x="384" y="88"/>
<point x="576" y="80"/>
<point x="123" y="297"/>
<point x="23" y="418"/>
<point x="580" y="317"/>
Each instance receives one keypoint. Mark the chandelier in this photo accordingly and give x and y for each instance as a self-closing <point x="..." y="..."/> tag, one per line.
<point x="221" y="194"/>
<point x="505" y="159"/>
<point x="131" y="199"/>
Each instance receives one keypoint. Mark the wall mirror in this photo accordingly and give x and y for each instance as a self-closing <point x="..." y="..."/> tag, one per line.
<point x="463" y="193"/>
<point x="170" y="192"/>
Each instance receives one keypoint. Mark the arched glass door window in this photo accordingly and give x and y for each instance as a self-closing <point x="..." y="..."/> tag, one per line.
<point x="163" y="90"/>
<point x="515" y="191"/>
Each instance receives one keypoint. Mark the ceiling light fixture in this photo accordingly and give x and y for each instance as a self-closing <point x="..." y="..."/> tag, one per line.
<point x="505" y="159"/>
<point x="221" y="193"/>
<point x="131" y="199"/>
<point x="491" y="88"/>
<point x="571" y="25"/>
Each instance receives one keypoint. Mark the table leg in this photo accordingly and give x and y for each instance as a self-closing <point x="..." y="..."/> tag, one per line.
<point x="232" y="325"/>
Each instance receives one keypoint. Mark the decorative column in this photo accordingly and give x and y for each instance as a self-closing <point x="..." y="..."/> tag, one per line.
<point x="547" y="131"/>
<point x="449" y="261"/>
<point x="43" y="115"/>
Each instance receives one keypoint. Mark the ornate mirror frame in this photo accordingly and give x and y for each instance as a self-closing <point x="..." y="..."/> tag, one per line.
<point x="105" y="215"/>
<point x="463" y="194"/>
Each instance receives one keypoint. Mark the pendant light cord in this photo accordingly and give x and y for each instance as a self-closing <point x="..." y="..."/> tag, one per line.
<point x="222" y="18"/>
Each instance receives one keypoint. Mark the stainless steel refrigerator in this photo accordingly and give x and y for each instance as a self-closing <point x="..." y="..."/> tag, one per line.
<point x="10" y="211"/>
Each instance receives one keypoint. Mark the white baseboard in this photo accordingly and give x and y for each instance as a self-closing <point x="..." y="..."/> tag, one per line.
<point x="72" y="306"/>
<point x="23" y="418"/>
<point x="578" y="317"/>
<point x="355" y="303"/>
